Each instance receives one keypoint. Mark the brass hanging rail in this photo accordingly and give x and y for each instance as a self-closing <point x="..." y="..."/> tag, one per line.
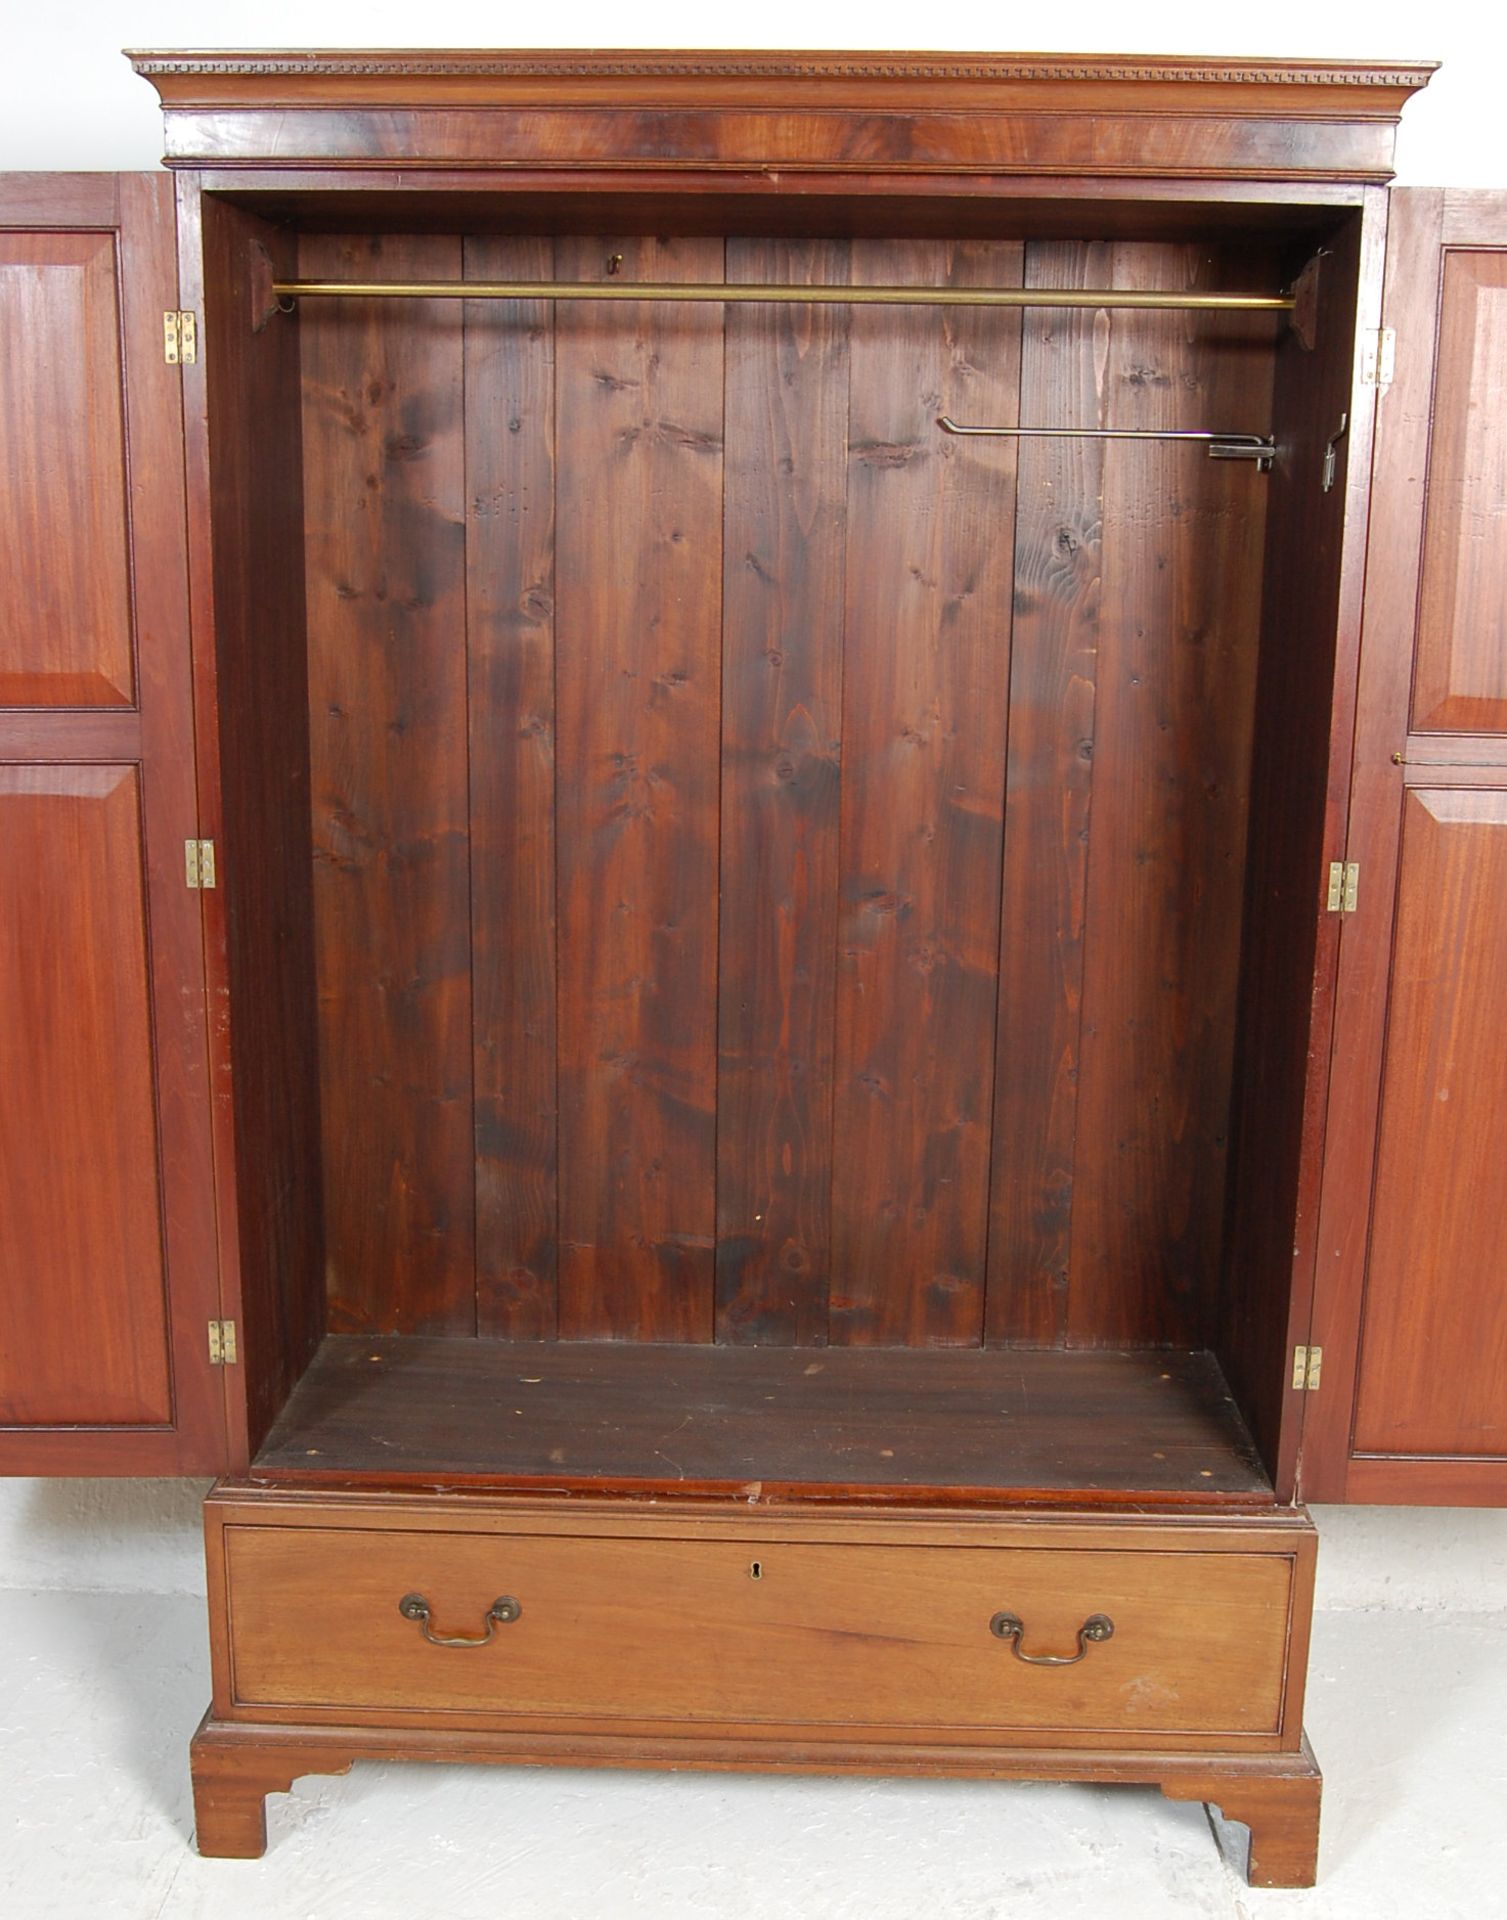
<point x="290" y="290"/>
<point x="1259" y="447"/>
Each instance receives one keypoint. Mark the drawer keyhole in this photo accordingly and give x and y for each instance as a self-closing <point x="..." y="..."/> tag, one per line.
<point x="756" y="1571"/>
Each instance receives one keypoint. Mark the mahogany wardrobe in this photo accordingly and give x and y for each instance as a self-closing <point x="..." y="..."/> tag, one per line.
<point x="753" y="896"/>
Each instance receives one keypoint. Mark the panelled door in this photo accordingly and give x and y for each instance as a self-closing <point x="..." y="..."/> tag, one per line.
<point x="107" y="1262"/>
<point x="1411" y="1310"/>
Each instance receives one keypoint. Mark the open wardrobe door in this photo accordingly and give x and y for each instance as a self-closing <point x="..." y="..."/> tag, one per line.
<point x="107" y="1252"/>
<point x="1411" y="1310"/>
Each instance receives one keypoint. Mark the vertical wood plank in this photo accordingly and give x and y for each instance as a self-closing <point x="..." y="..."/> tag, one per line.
<point x="1179" y="626"/>
<point x="786" y="506"/>
<point x="510" y="429"/>
<point x="385" y="493"/>
<point x="639" y="559"/>
<point x="925" y="695"/>
<point x="1059" y="519"/>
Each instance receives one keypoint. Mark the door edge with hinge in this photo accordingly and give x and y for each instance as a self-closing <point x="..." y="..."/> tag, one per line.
<point x="188" y="1435"/>
<point x="180" y="336"/>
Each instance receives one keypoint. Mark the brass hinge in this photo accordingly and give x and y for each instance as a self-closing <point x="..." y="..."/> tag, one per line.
<point x="199" y="862"/>
<point x="180" y="338"/>
<point x="1307" y="1365"/>
<point x="1344" y="885"/>
<point x="222" y="1343"/>
<point x="1378" y="357"/>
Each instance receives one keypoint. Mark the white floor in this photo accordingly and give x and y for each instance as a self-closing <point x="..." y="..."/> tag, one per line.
<point x="99" y="1693"/>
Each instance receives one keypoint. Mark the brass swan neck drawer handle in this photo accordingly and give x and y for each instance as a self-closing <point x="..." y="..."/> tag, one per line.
<point x="1010" y="1626"/>
<point x="413" y="1606"/>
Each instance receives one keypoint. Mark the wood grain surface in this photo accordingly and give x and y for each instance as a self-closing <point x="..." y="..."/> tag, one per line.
<point x="630" y="1415"/>
<point x="1433" y="1305"/>
<point x="107" y="1207"/>
<point x="760" y="1633"/>
<point x="895" y="114"/>
<point x="720" y="904"/>
<point x="639" y="567"/>
<point x="253" y="737"/>
<point x="384" y="470"/>
<point x="1054" y="665"/>
<point x="80" y="1226"/>
<point x="1460" y="667"/>
<point x="1406" y="1197"/>
<point x="510" y="651"/>
<point x="785" y="528"/>
<point x="1178" y="630"/>
<point x="66" y="629"/>
<point x="925" y="688"/>
<point x="1304" y="728"/>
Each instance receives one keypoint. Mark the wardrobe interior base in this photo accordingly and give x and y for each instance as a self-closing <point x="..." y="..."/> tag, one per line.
<point x="880" y="1423"/>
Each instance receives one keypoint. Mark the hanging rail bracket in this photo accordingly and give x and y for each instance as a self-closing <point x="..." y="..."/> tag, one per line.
<point x="1259" y="447"/>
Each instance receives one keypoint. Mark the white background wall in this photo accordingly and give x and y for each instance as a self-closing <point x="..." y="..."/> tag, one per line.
<point x="68" y="100"/>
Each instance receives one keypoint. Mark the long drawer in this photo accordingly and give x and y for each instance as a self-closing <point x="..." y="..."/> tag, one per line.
<point x="1056" y="1628"/>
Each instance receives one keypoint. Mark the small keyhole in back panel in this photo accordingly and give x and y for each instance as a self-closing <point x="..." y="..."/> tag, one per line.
<point x="756" y="1571"/>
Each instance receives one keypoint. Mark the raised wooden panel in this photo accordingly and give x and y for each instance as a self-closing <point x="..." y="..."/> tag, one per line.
<point x="1433" y="1377"/>
<point x="65" y="613"/>
<point x="1460" y="682"/>
<point x="83" y="1319"/>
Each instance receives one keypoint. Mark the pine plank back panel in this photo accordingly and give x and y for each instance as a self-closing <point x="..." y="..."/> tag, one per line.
<point x="384" y="490"/>
<point x="639" y="571"/>
<point x="510" y="627"/>
<point x="926" y="676"/>
<point x="820" y="961"/>
<point x="1059" y="552"/>
<point x="1178" y="632"/>
<point x="784" y="552"/>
